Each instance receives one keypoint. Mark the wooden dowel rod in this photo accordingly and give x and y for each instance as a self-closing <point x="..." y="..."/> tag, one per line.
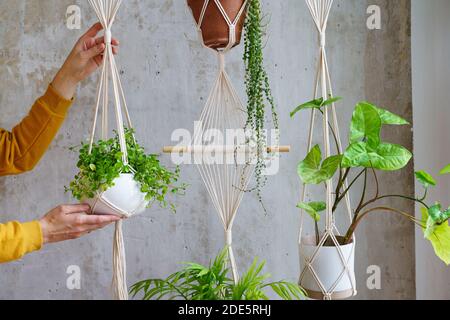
<point x="225" y="149"/>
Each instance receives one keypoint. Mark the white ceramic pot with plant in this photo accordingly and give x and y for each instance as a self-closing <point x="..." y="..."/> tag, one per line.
<point x="111" y="187"/>
<point x="124" y="198"/>
<point x="333" y="265"/>
<point x="365" y="155"/>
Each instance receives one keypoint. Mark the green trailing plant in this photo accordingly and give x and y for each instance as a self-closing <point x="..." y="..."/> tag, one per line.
<point x="258" y="90"/>
<point x="366" y="154"/>
<point x="198" y="282"/>
<point x="99" y="169"/>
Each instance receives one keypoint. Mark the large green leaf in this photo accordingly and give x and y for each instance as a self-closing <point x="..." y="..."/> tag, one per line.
<point x="425" y="179"/>
<point x="438" y="235"/>
<point x="386" y="157"/>
<point x="313" y="209"/>
<point x="365" y="125"/>
<point x="311" y="171"/>
<point x="390" y="118"/>
<point x="315" y="104"/>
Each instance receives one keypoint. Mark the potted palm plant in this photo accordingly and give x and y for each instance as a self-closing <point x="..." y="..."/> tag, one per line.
<point x="198" y="282"/>
<point x="366" y="154"/>
<point x="112" y="187"/>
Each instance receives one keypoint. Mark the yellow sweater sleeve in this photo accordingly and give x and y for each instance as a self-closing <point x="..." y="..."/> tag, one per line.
<point x="20" y="151"/>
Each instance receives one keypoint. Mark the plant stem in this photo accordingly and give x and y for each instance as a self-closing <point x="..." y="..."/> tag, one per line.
<point x="363" y="193"/>
<point x="394" y="196"/>
<point x="357" y="221"/>
<point x="347" y="190"/>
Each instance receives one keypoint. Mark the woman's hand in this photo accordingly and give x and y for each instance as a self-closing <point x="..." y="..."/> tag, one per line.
<point x="85" y="58"/>
<point x="71" y="222"/>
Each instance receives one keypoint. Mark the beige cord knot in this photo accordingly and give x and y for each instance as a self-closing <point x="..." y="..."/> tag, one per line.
<point x="108" y="36"/>
<point x="323" y="39"/>
<point x="229" y="237"/>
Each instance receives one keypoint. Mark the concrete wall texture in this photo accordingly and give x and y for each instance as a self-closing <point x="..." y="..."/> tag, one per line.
<point x="167" y="76"/>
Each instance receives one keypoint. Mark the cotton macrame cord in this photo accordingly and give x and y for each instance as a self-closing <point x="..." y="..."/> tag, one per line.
<point x="225" y="180"/>
<point x="106" y="11"/>
<point x="320" y="10"/>
<point x="224" y="110"/>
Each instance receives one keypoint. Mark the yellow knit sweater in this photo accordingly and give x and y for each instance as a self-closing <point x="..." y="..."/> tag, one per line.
<point x="20" y="151"/>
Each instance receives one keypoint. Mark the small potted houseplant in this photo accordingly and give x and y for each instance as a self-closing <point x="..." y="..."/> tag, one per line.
<point x="198" y="282"/>
<point x="112" y="187"/>
<point x="260" y="102"/>
<point x="365" y="155"/>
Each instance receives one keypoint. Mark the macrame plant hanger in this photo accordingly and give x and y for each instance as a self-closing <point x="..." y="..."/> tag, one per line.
<point x="225" y="180"/>
<point x="106" y="11"/>
<point x="320" y="10"/>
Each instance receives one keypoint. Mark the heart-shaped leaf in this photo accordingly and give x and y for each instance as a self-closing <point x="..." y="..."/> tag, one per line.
<point x="387" y="117"/>
<point x="311" y="171"/>
<point x="425" y="179"/>
<point x="313" y="209"/>
<point x="365" y="125"/>
<point x="438" y="235"/>
<point x="390" y="118"/>
<point x="386" y="157"/>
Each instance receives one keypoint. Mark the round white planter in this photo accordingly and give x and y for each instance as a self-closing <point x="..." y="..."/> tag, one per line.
<point x="329" y="269"/>
<point x="124" y="199"/>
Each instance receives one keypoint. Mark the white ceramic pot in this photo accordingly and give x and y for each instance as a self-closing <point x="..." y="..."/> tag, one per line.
<point x="329" y="269"/>
<point x="124" y="199"/>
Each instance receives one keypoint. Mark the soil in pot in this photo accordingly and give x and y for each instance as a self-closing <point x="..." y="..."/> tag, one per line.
<point x="215" y="30"/>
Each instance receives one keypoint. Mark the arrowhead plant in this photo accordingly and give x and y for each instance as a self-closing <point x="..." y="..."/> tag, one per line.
<point x="366" y="154"/>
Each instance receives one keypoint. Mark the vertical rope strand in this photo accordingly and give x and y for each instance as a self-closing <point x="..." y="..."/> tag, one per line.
<point x="320" y="12"/>
<point x="106" y="11"/>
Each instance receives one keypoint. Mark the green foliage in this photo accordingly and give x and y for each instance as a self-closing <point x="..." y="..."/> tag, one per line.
<point x="366" y="148"/>
<point x="446" y="170"/>
<point x="365" y="125"/>
<point x="385" y="157"/>
<point x="98" y="170"/>
<point x="197" y="282"/>
<point x="313" y="209"/>
<point x="312" y="171"/>
<point x="315" y="104"/>
<point x="425" y="179"/>
<point x="258" y="88"/>
<point x="437" y="233"/>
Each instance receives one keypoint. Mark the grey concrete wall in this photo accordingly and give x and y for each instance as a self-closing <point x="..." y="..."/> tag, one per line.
<point x="431" y="80"/>
<point x="167" y="76"/>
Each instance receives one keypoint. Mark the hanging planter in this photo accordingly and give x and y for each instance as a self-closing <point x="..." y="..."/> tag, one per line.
<point x="327" y="265"/>
<point x="111" y="186"/>
<point x="220" y="24"/>
<point x="124" y="199"/>
<point x="214" y="25"/>
<point x="116" y="176"/>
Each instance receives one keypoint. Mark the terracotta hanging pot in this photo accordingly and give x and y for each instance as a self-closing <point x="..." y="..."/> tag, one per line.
<point x="215" y="30"/>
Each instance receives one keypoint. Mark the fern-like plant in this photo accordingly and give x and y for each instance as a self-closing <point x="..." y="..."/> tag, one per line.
<point x="198" y="282"/>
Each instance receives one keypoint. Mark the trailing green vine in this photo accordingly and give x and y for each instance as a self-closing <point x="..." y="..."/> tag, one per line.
<point x="258" y="90"/>
<point x="99" y="169"/>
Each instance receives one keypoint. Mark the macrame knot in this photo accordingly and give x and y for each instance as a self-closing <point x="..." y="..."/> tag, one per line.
<point x="323" y="39"/>
<point x="229" y="237"/>
<point x="221" y="61"/>
<point x="327" y="296"/>
<point x="108" y="36"/>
